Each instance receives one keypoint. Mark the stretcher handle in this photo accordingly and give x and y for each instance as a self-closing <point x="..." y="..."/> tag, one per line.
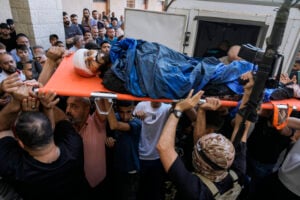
<point x="99" y="109"/>
<point x="104" y="95"/>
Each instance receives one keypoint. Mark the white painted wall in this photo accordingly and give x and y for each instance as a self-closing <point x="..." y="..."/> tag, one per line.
<point x="5" y="10"/>
<point x="76" y="7"/>
<point x="118" y="6"/>
<point x="38" y="19"/>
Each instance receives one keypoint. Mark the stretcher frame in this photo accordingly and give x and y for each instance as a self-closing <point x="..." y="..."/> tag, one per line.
<point x="66" y="82"/>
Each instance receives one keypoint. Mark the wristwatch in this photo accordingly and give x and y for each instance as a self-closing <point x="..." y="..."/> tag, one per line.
<point x="177" y="113"/>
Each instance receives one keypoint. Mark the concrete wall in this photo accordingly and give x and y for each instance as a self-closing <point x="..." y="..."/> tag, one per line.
<point x="38" y="19"/>
<point x="76" y="7"/>
<point x="118" y="6"/>
<point x="5" y="10"/>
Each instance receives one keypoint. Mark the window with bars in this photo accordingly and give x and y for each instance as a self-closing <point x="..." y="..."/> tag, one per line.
<point x="131" y="3"/>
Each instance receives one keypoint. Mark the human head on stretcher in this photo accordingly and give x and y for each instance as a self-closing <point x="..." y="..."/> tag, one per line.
<point x="88" y="63"/>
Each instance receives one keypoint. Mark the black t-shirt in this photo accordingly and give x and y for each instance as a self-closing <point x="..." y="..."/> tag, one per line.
<point x="62" y="179"/>
<point x="190" y="185"/>
<point x="266" y="143"/>
<point x="9" y="43"/>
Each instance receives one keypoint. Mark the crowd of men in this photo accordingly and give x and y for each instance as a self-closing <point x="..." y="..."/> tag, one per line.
<point x="58" y="147"/>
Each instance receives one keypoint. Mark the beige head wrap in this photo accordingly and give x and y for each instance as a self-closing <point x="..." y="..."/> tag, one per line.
<point x="219" y="153"/>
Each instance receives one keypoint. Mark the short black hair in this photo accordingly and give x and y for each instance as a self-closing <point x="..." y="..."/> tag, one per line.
<point x="73" y="15"/>
<point x="58" y="42"/>
<point x="21" y="35"/>
<point x="34" y="129"/>
<point x="123" y="103"/>
<point x="64" y="13"/>
<point x="91" y="45"/>
<point x="22" y="47"/>
<point x="9" y="21"/>
<point x="4" y="26"/>
<point x="214" y="119"/>
<point x="53" y="36"/>
<point x="104" y="42"/>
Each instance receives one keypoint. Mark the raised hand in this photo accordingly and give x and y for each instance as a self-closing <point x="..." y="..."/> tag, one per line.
<point x="11" y="83"/>
<point x="30" y="104"/>
<point x="211" y="103"/>
<point x="48" y="100"/>
<point x="189" y="102"/>
<point x="248" y="76"/>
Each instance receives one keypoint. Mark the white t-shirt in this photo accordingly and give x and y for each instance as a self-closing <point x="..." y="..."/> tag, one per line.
<point x="152" y="127"/>
<point x="4" y="75"/>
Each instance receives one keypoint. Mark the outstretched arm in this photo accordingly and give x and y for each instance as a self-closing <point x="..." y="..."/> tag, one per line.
<point x="166" y="143"/>
<point x="238" y="118"/>
<point x="54" y="56"/>
<point x="114" y="124"/>
<point x="211" y="103"/>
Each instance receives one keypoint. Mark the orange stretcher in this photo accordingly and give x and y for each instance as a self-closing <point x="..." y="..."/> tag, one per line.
<point x="66" y="82"/>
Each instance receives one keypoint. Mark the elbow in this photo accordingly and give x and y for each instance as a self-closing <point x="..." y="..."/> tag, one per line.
<point x="113" y="127"/>
<point x="160" y="147"/>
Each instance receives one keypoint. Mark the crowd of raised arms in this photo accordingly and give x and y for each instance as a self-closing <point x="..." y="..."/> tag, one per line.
<point x="63" y="147"/>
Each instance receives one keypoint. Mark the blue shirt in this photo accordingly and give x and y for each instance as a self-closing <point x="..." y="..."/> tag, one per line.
<point x="126" y="156"/>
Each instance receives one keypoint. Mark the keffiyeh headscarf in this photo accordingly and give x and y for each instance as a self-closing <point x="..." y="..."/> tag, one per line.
<point x="213" y="154"/>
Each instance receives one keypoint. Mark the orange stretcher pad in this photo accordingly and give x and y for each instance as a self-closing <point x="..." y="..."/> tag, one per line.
<point x="66" y="82"/>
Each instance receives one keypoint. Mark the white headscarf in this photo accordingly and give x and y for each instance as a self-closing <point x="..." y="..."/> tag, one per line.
<point x="80" y="65"/>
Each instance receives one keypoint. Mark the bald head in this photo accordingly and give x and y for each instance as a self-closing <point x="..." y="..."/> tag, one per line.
<point x="7" y="63"/>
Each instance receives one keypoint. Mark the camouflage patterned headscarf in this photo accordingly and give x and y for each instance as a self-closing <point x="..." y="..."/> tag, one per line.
<point x="212" y="156"/>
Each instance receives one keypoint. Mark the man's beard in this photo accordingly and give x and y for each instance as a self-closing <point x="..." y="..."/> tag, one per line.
<point x="10" y="70"/>
<point x="67" y="23"/>
<point x="73" y="120"/>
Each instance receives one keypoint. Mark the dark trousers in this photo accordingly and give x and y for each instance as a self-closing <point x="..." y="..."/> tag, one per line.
<point x="126" y="186"/>
<point x="152" y="176"/>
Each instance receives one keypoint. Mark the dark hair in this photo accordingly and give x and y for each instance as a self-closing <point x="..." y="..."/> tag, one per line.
<point x="91" y="45"/>
<point x="58" y="42"/>
<point x="104" y="67"/>
<point x="104" y="42"/>
<point x="122" y="103"/>
<point x="73" y="15"/>
<point x="114" y="18"/>
<point x="22" y="47"/>
<point x="53" y="36"/>
<point x="21" y="35"/>
<point x="94" y="11"/>
<point x="34" y="129"/>
<point x="64" y="13"/>
<point x="86" y="9"/>
<point x="4" y="26"/>
<point x="9" y="21"/>
<point x="214" y="119"/>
